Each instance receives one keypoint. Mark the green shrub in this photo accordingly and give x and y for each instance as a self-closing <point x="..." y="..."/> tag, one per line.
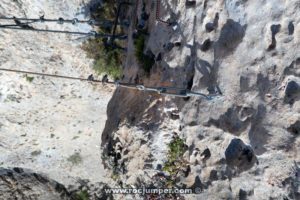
<point x="36" y="153"/>
<point x="144" y="60"/>
<point x="29" y="78"/>
<point x="106" y="11"/>
<point x="82" y="195"/>
<point x="175" y="160"/>
<point x="139" y="44"/>
<point x="176" y="149"/>
<point x="115" y="176"/>
<point x="106" y="61"/>
<point x="109" y="63"/>
<point x="75" y="158"/>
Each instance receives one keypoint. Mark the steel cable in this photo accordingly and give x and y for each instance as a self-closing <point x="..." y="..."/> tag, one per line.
<point x="159" y="90"/>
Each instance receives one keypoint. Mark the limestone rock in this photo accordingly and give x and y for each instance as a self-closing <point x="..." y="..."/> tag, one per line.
<point x="240" y="155"/>
<point x="23" y="184"/>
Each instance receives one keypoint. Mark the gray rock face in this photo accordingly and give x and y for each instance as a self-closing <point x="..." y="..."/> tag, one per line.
<point x="231" y="35"/>
<point x="244" y="52"/>
<point x="18" y="183"/>
<point x="240" y="155"/>
<point x="295" y="128"/>
<point x="247" y="51"/>
<point x="23" y="184"/>
<point x="236" y="48"/>
<point x="292" y="92"/>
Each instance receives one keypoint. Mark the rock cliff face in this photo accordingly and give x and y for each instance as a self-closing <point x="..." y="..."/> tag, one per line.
<point x="242" y="144"/>
<point x="246" y="53"/>
<point x="18" y="183"/>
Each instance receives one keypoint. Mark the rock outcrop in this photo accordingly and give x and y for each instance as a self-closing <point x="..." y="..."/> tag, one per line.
<point x="243" y="143"/>
<point x="18" y="183"/>
<point x="240" y="155"/>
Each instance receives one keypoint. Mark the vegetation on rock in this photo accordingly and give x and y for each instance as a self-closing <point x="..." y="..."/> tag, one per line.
<point x="75" y="159"/>
<point x="144" y="60"/>
<point x="175" y="162"/>
<point x="107" y="60"/>
<point x="82" y="195"/>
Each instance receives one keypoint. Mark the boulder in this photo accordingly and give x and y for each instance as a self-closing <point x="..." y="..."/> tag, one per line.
<point x="292" y="92"/>
<point x="239" y="155"/>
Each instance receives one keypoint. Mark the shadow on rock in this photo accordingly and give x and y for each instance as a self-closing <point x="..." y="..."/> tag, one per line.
<point x="239" y="155"/>
<point x="258" y="135"/>
<point x="18" y="183"/>
<point x="232" y="34"/>
<point x="292" y="92"/>
<point x="235" y="120"/>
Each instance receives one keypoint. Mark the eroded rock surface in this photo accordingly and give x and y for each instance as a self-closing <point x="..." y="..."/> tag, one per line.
<point x="18" y="183"/>
<point x="242" y="144"/>
<point x="240" y="155"/>
<point x="246" y="53"/>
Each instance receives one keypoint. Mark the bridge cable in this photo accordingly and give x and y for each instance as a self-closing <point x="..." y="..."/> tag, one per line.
<point x="179" y="92"/>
